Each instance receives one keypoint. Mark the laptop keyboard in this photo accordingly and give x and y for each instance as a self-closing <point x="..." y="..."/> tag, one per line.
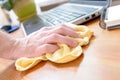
<point x="60" y="15"/>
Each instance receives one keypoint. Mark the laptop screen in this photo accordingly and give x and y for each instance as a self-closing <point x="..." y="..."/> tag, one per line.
<point x="91" y="2"/>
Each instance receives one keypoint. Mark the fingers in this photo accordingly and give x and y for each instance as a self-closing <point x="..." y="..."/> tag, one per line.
<point x="64" y="25"/>
<point x="45" y="48"/>
<point x="62" y="30"/>
<point x="72" y="29"/>
<point x="56" y="38"/>
<point x="58" y="35"/>
<point x="66" y="31"/>
<point x="46" y="28"/>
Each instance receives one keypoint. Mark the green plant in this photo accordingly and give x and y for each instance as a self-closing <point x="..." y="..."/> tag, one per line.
<point x="7" y="4"/>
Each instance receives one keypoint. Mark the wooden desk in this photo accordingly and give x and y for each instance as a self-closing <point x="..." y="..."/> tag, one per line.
<point x="99" y="61"/>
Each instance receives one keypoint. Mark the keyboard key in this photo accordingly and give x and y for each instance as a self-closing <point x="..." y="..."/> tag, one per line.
<point x="61" y="15"/>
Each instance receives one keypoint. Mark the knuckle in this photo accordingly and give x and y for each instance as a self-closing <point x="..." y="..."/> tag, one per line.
<point x="54" y="36"/>
<point x="44" y="28"/>
<point x="46" y="47"/>
<point x="50" y="38"/>
<point x="61" y="29"/>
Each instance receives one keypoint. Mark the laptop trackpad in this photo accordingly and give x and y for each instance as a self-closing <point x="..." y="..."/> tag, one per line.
<point x="33" y="24"/>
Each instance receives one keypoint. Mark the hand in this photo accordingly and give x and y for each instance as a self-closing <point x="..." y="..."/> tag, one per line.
<point x="44" y="41"/>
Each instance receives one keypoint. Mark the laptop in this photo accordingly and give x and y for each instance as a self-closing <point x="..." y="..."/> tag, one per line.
<point x="74" y="11"/>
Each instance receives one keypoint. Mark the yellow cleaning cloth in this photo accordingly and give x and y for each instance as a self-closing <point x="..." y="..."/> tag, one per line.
<point x="63" y="55"/>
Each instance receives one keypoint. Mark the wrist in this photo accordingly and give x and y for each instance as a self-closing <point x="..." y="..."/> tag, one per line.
<point x="7" y="44"/>
<point x="19" y="48"/>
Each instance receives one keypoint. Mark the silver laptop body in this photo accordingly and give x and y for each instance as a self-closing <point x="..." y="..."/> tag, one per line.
<point x="74" y="11"/>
